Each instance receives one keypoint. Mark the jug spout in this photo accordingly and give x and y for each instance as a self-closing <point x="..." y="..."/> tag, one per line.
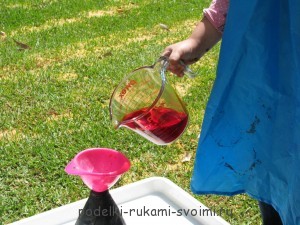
<point x="115" y="122"/>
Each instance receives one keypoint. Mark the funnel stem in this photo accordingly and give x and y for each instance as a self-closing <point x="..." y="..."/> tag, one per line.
<point x="100" y="209"/>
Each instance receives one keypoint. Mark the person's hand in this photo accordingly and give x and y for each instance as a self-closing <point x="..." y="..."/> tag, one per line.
<point x="186" y="52"/>
<point x="181" y="54"/>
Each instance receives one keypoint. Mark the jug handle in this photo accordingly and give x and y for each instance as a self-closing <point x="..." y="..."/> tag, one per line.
<point x="187" y="71"/>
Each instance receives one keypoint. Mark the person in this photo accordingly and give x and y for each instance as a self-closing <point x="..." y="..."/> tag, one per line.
<point x="250" y="137"/>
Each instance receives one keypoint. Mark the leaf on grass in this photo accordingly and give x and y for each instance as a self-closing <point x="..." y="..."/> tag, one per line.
<point x="164" y="26"/>
<point x="187" y="157"/>
<point x="21" y="45"/>
<point x="52" y="112"/>
<point x="3" y="35"/>
<point x="106" y="54"/>
<point x="119" y="10"/>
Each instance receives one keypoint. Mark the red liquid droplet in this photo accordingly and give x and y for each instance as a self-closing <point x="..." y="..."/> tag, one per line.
<point x="164" y="125"/>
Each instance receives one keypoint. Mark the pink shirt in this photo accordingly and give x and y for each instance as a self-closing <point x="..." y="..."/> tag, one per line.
<point x="216" y="13"/>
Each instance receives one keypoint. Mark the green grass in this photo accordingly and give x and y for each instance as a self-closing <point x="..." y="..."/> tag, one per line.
<point x="54" y="97"/>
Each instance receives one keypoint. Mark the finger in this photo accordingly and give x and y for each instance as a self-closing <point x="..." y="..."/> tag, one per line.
<point x="174" y="57"/>
<point x="167" y="52"/>
<point x="176" y="69"/>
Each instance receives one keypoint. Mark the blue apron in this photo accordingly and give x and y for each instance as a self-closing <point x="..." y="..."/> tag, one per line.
<point x="250" y="138"/>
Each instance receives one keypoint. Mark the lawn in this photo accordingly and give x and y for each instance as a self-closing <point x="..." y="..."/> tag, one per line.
<point x="59" y="62"/>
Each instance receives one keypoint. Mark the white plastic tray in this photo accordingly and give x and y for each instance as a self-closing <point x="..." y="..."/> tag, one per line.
<point x="151" y="201"/>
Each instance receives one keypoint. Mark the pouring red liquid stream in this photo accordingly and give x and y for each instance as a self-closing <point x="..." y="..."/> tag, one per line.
<point x="164" y="123"/>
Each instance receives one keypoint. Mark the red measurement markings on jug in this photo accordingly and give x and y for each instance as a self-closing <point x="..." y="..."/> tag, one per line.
<point x="126" y="88"/>
<point x="164" y="123"/>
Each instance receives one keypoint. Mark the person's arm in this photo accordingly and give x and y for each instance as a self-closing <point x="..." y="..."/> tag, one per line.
<point x="204" y="37"/>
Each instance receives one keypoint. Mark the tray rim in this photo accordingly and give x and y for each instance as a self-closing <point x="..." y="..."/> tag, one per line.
<point x="152" y="185"/>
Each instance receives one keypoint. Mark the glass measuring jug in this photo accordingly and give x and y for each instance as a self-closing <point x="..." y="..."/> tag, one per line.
<point x="147" y="104"/>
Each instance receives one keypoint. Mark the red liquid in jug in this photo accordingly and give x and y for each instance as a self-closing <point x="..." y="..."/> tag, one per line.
<point x="164" y="123"/>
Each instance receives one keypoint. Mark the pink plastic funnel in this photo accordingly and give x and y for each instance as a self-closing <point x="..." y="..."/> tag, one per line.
<point x="99" y="168"/>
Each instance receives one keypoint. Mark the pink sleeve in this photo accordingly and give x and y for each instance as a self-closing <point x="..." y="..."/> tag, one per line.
<point x="216" y="13"/>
